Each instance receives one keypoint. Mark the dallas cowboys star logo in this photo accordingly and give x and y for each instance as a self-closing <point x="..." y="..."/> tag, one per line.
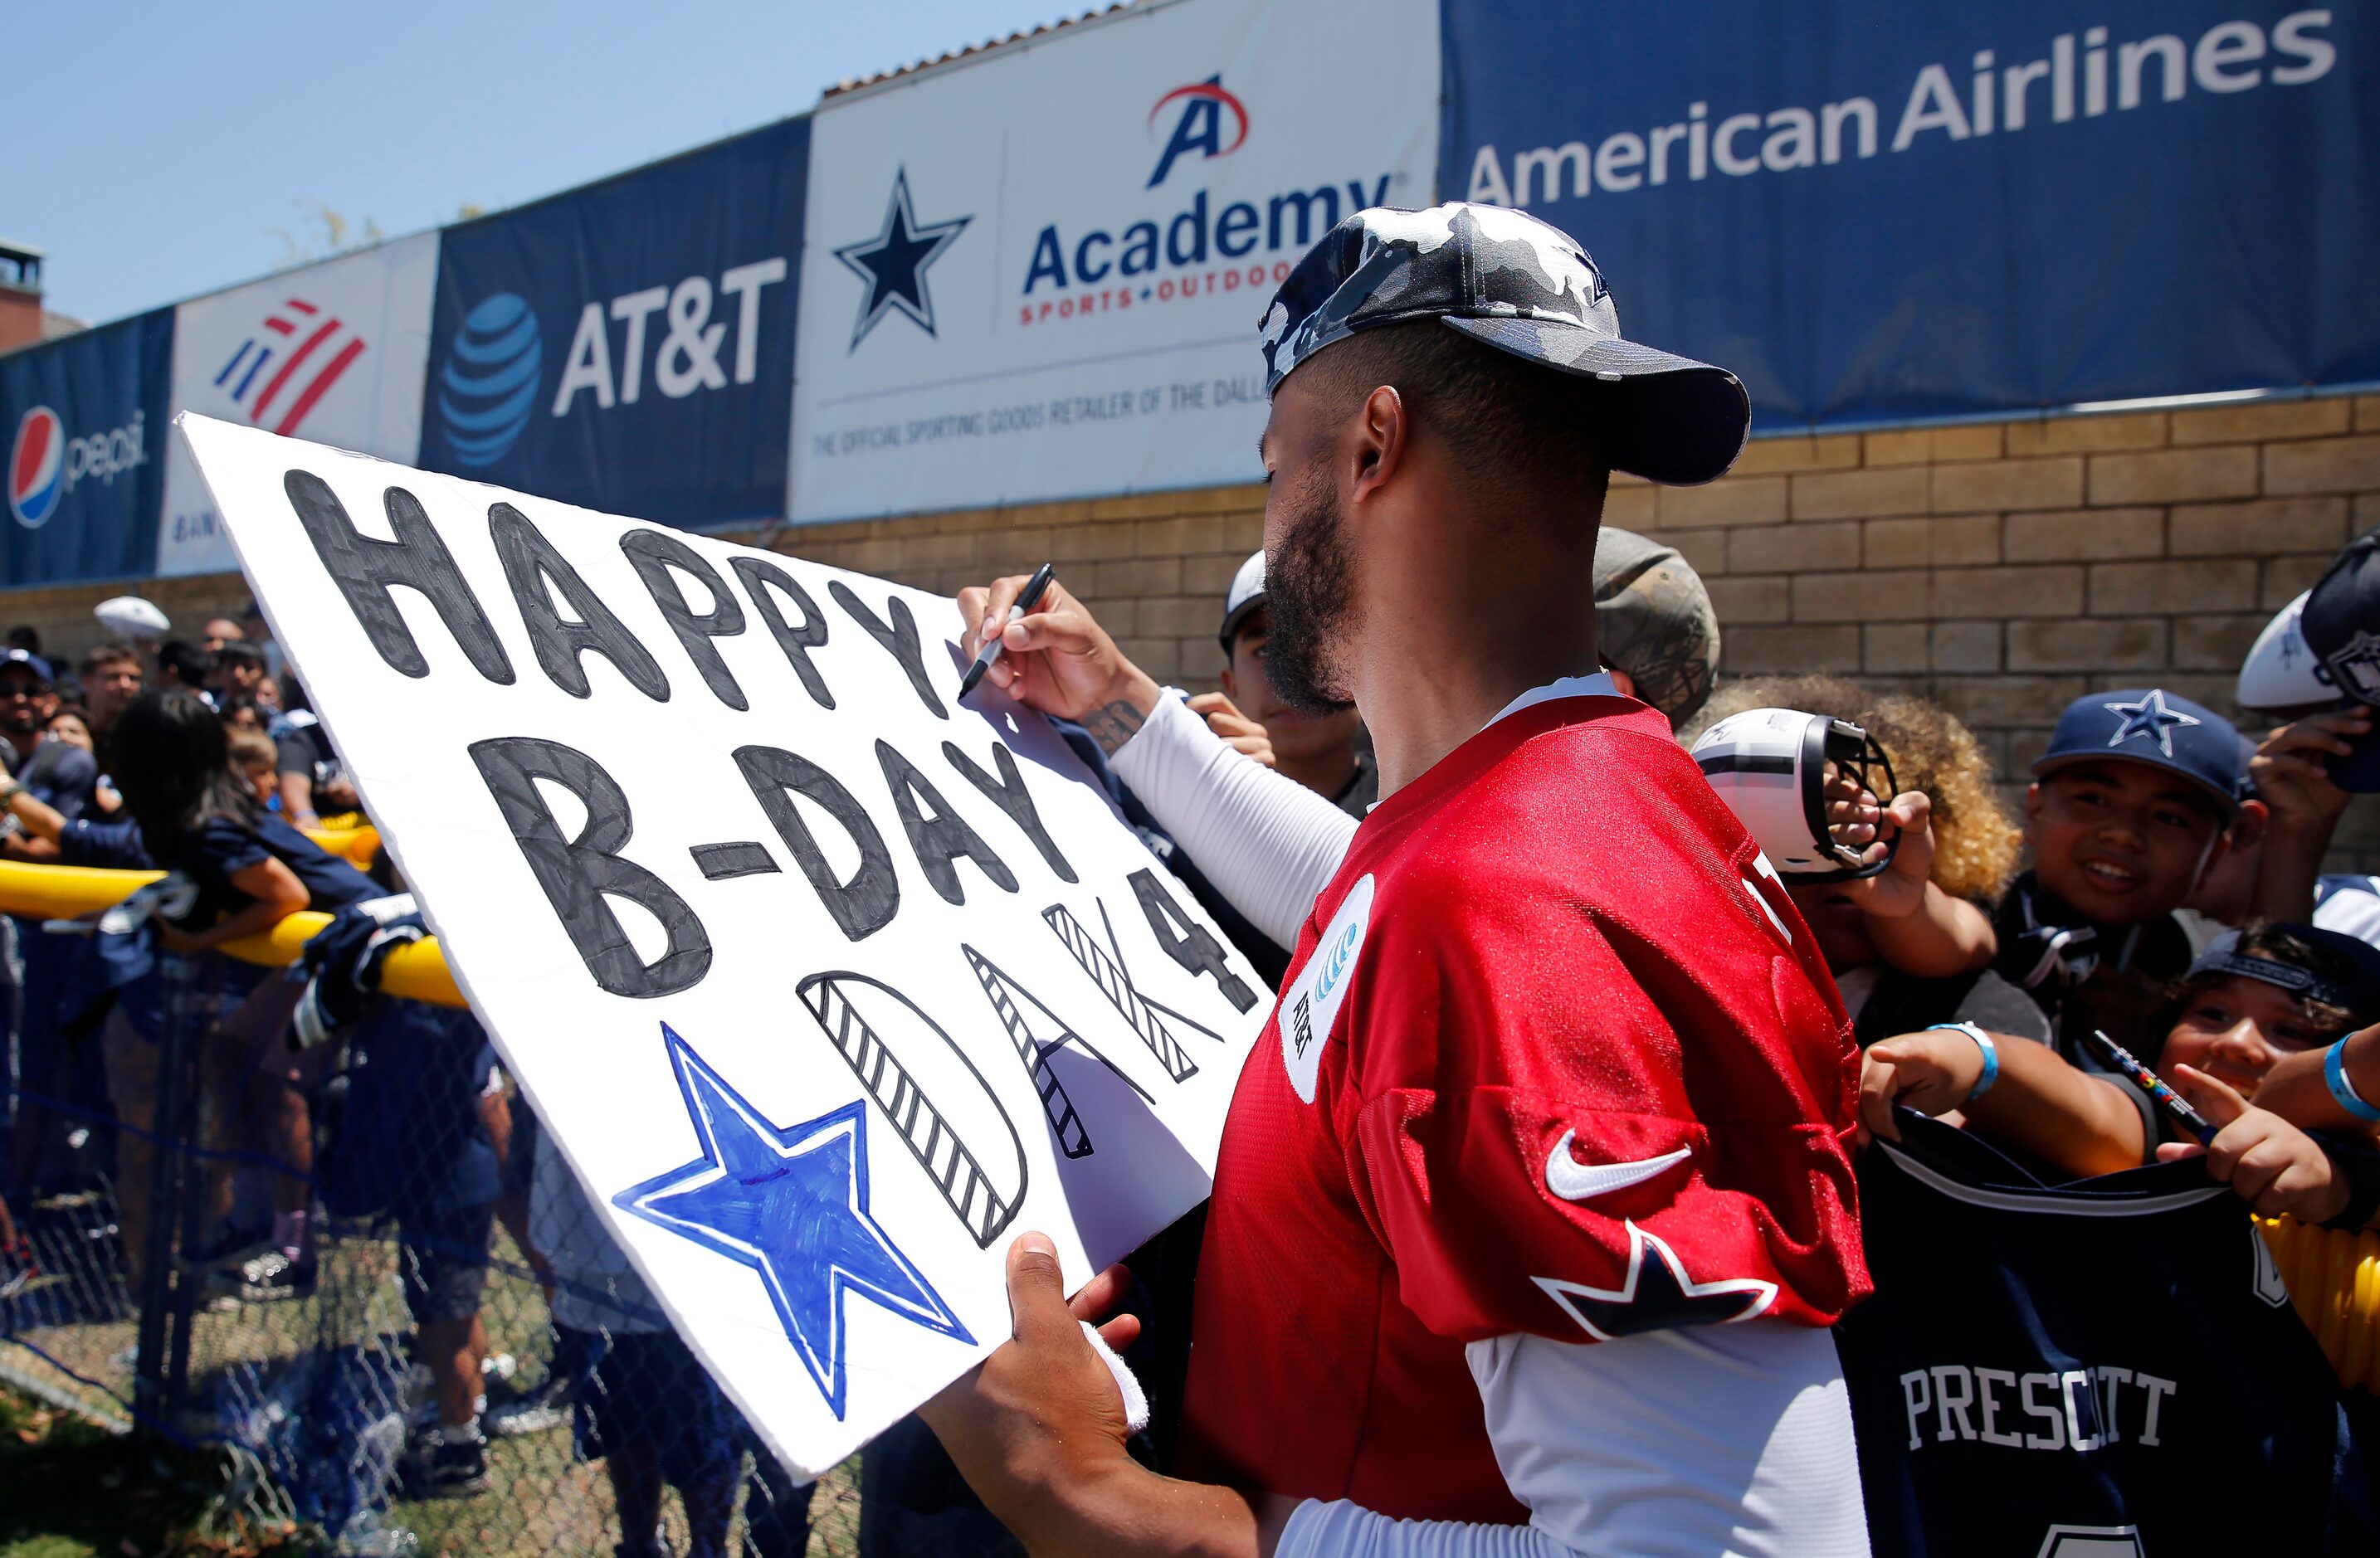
<point x="792" y="1205"/>
<point x="893" y="262"/>
<point x="1657" y="1295"/>
<point x="2151" y="718"/>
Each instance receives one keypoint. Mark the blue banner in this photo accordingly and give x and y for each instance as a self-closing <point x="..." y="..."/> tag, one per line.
<point x="1877" y="214"/>
<point x="85" y="419"/>
<point x="629" y="346"/>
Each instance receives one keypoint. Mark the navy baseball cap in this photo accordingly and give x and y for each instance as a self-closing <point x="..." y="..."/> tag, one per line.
<point x="1504" y="278"/>
<point x="2354" y="986"/>
<point x="2342" y="624"/>
<point x="2149" y="724"/>
<point x="27" y="659"/>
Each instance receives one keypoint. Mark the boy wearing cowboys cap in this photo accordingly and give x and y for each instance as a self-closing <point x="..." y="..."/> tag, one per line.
<point x="2129" y="811"/>
<point x="1558" y="1093"/>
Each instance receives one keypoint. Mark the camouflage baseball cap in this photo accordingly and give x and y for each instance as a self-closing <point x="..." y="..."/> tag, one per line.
<point x="1505" y="278"/>
<point x="1654" y="619"/>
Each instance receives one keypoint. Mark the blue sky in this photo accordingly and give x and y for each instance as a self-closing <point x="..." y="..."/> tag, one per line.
<point x="159" y="151"/>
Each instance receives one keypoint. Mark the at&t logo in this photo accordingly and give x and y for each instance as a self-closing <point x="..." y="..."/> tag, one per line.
<point x="667" y="340"/>
<point x="1200" y="125"/>
<point x="46" y="465"/>
<point x="490" y="382"/>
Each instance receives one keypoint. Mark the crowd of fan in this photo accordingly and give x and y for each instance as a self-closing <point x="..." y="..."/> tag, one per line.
<point x="2172" y="900"/>
<point x="319" y="1099"/>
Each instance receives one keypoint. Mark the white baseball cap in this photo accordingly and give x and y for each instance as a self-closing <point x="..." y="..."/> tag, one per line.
<point x="2281" y="671"/>
<point x="129" y="616"/>
<point x="1248" y="593"/>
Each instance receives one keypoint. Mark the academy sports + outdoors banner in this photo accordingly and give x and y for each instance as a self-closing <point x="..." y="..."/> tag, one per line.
<point x="1896" y="214"/>
<point x="85" y="421"/>
<point x="332" y="352"/>
<point x="629" y="344"/>
<point x="1038" y="273"/>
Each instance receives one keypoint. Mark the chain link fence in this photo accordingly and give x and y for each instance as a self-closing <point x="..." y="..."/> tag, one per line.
<point x="356" y="1274"/>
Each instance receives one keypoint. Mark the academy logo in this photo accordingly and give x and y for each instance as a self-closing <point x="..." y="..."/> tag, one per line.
<point x="490" y="382"/>
<point x="46" y="465"/>
<point x="893" y="262"/>
<point x="37" y="467"/>
<point x="1200" y="125"/>
<point x="297" y="354"/>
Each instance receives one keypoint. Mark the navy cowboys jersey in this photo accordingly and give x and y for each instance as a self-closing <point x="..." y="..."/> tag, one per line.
<point x="2102" y="1367"/>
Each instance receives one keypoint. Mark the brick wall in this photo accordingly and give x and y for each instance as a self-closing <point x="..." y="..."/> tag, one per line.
<point x="2003" y="569"/>
<point x="2006" y="569"/>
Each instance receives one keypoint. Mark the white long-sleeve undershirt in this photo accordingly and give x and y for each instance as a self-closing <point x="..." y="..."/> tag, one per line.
<point x="1267" y="842"/>
<point x="1716" y="1440"/>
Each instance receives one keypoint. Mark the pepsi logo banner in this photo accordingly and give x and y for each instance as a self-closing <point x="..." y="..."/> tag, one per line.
<point x="828" y="985"/>
<point x="333" y="352"/>
<point x="629" y="344"/>
<point x="1038" y="273"/>
<point x="1946" y="211"/>
<point x="85" y="423"/>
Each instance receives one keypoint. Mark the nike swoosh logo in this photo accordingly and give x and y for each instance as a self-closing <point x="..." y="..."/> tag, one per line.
<point x="1574" y="1180"/>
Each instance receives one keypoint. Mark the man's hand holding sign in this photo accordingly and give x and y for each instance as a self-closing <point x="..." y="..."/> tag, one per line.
<point x="828" y="984"/>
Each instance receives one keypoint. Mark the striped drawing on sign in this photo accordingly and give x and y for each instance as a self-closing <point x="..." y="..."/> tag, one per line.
<point x="933" y="1140"/>
<point x="1006" y="994"/>
<point x="1146" y="1017"/>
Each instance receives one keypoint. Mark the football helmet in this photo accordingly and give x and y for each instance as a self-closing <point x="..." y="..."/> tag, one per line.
<point x="1771" y="766"/>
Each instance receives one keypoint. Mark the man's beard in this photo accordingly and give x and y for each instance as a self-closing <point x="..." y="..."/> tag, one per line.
<point x="1307" y="581"/>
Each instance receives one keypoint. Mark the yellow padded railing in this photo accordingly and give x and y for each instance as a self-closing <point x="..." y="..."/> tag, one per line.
<point x="416" y="973"/>
<point x="2333" y="1279"/>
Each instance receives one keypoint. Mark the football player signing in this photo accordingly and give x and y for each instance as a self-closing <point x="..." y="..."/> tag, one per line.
<point x="1532" y="1205"/>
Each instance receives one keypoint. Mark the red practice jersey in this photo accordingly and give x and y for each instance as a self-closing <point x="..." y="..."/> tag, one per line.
<point x="1556" y="1055"/>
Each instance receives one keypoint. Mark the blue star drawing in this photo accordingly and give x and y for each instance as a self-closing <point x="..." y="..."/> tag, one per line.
<point x="2149" y="717"/>
<point x="792" y="1205"/>
<point x="1657" y="1295"/>
<point x="893" y="262"/>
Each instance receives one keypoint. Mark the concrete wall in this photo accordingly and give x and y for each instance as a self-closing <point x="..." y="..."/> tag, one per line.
<point x="2003" y="569"/>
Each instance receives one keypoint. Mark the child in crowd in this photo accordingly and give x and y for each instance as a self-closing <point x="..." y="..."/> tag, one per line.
<point x="2247" y="1002"/>
<point x="2129" y="810"/>
<point x="256" y="756"/>
<point x="197" y="816"/>
<point x="71" y="724"/>
<point x="644" y="1406"/>
<point x="1910" y="944"/>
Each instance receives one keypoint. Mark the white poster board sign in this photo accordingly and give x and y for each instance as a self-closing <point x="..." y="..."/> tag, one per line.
<point x="827" y="985"/>
<point x="1037" y="272"/>
<point x="333" y="352"/>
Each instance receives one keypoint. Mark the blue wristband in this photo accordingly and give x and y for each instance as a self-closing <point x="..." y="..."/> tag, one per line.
<point x="2334" y="1071"/>
<point x="1991" y="1057"/>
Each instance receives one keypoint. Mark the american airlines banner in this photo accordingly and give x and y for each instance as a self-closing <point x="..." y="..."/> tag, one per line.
<point x="1039" y="274"/>
<point x="1939" y="211"/>
<point x="333" y="351"/>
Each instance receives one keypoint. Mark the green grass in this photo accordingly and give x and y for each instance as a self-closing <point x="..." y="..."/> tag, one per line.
<point x="72" y="1490"/>
<point x="76" y="1490"/>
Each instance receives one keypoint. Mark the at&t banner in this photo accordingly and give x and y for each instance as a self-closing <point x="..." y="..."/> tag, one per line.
<point x="628" y="346"/>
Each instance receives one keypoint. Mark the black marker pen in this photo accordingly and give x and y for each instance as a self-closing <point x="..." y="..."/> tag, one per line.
<point x="1034" y="587"/>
